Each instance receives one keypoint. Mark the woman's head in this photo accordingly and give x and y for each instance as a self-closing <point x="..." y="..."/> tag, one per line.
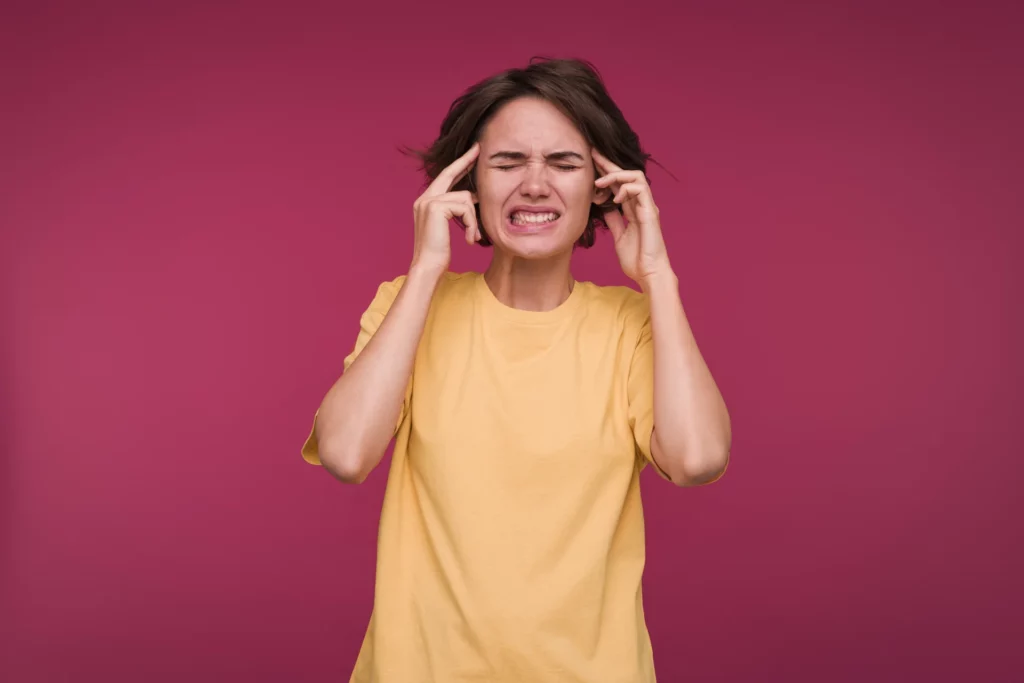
<point x="536" y="127"/>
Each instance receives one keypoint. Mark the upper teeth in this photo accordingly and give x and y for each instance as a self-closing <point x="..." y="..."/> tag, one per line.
<point x="530" y="217"/>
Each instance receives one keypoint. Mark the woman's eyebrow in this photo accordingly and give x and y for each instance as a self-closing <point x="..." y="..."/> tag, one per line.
<point x="566" y="155"/>
<point x="553" y="156"/>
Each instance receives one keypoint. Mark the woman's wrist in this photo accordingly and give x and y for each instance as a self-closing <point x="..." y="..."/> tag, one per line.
<point x="424" y="274"/>
<point x="661" y="280"/>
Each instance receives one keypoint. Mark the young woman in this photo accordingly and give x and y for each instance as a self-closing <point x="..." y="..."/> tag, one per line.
<point x="523" y="403"/>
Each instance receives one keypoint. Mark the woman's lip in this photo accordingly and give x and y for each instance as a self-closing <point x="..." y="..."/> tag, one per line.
<point x="528" y="228"/>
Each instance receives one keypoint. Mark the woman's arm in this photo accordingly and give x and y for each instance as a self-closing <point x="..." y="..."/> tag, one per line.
<point x="692" y="432"/>
<point x="357" y="417"/>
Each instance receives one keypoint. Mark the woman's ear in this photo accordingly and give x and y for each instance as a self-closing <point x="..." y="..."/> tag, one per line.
<point x="468" y="182"/>
<point x="601" y="194"/>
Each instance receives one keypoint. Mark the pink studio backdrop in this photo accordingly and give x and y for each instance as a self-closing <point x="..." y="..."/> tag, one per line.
<point x="198" y="201"/>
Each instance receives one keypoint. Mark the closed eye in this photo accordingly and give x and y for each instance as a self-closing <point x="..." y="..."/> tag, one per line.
<point x="560" y="167"/>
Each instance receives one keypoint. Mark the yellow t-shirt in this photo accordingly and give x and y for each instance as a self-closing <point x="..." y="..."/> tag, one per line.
<point x="511" y="541"/>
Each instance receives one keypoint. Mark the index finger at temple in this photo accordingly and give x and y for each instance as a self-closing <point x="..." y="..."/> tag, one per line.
<point x="603" y="162"/>
<point x="454" y="171"/>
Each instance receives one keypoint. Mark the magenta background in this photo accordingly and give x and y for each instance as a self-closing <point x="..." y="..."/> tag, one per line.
<point x="198" y="201"/>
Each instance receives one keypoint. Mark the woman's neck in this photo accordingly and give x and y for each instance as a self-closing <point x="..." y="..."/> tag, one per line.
<point x="530" y="285"/>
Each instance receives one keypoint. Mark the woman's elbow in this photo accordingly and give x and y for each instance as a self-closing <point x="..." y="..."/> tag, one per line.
<point x="707" y="471"/>
<point x="344" y="463"/>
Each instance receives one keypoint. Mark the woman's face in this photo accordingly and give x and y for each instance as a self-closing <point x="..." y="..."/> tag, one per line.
<point x="534" y="179"/>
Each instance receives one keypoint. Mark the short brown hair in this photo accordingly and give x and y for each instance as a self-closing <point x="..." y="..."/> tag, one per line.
<point x="572" y="85"/>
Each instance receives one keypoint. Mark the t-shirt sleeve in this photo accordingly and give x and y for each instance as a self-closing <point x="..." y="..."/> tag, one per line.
<point x="640" y="390"/>
<point x="368" y="324"/>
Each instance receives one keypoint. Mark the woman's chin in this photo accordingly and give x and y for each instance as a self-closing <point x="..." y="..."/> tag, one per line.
<point x="535" y="246"/>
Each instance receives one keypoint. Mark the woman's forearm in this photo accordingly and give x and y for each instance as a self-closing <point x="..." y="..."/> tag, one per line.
<point x="357" y="417"/>
<point x="692" y="431"/>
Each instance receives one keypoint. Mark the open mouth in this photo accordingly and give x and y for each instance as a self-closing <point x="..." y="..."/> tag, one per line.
<point x="522" y="220"/>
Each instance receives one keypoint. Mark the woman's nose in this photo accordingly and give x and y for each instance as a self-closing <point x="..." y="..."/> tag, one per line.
<point x="536" y="181"/>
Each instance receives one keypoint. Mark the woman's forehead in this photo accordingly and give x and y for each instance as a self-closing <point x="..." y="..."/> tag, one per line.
<point x="532" y="126"/>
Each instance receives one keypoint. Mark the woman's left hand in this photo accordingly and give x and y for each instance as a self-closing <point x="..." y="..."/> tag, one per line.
<point x="638" y="240"/>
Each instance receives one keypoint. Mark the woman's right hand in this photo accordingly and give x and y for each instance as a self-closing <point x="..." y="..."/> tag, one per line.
<point x="436" y="207"/>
